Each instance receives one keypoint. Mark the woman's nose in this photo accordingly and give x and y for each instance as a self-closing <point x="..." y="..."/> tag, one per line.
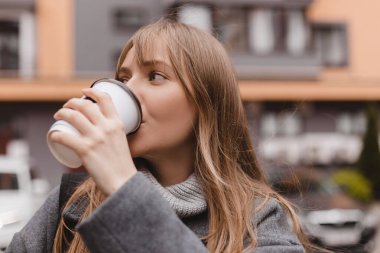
<point x="132" y="85"/>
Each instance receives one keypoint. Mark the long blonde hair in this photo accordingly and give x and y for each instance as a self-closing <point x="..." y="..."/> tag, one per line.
<point x="225" y="163"/>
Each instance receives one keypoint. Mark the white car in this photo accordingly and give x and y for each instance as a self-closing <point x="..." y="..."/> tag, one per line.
<point x="330" y="218"/>
<point x="341" y="228"/>
<point x="20" y="196"/>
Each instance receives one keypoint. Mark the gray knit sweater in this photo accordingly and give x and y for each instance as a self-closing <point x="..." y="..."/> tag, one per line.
<point x="186" y="198"/>
<point x="139" y="218"/>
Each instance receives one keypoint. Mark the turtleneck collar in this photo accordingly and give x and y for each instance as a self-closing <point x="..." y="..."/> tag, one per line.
<point x="186" y="198"/>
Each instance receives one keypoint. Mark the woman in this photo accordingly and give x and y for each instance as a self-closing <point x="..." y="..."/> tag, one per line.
<point x="186" y="181"/>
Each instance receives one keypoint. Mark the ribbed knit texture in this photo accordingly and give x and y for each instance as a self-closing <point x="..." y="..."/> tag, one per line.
<point x="186" y="198"/>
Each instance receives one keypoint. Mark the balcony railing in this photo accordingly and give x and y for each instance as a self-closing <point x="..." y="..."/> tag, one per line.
<point x="277" y="66"/>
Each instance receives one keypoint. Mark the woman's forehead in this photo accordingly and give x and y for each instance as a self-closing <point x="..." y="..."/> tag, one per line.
<point x="153" y="53"/>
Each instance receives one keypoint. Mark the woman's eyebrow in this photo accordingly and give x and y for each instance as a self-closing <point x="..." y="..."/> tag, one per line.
<point x="148" y="63"/>
<point x="151" y="63"/>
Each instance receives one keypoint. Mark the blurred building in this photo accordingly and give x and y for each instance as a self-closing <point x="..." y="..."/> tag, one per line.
<point x="305" y="67"/>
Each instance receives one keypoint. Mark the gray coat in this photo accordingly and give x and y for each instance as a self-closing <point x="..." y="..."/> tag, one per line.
<point x="137" y="219"/>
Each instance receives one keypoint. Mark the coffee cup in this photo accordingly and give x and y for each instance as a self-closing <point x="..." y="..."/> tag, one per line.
<point x="127" y="107"/>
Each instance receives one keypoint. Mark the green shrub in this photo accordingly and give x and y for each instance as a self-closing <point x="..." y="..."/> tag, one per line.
<point x="355" y="184"/>
<point x="369" y="159"/>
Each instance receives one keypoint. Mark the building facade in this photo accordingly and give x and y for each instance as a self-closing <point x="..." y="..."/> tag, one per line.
<point x="306" y="68"/>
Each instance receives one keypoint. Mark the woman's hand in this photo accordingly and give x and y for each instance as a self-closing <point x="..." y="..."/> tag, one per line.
<point x="103" y="145"/>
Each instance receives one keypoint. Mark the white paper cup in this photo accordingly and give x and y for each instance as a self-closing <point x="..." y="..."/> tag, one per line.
<point x="127" y="107"/>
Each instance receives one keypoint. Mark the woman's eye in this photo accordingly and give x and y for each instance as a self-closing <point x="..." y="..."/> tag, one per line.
<point x="154" y="76"/>
<point x="124" y="80"/>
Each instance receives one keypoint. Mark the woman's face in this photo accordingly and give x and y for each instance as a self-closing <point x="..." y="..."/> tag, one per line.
<point x="168" y="116"/>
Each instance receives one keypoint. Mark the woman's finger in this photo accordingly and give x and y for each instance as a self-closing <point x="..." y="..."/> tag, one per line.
<point x="76" y="119"/>
<point x="88" y="108"/>
<point x="103" y="100"/>
<point x="69" y="140"/>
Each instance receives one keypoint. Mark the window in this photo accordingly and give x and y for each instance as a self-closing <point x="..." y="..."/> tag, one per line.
<point x="269" y="125"/>
<point x="330" y="41"/>
<point x="125" y="19"/>
<point x="278" y="31"/>
<point x="265" y="41"/>
<point x="9" y="46"/>
<point x="290" y="124"/>
<point x="196" y="15"/>
<point x="343" y="123"/>
<point x="297" y="32"/>
<point x="259" y="30"/>
<point x="230" y="28"/>
<point x="282" y="124"/>
<point x="351" y="123"/>
<point x="17" y="44"/>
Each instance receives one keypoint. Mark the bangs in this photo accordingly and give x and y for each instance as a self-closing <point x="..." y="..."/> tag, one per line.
<point x="147" y="42"/>
<point x="147" y="46"/>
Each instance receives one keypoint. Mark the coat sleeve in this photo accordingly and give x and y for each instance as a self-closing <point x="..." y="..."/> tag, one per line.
<point x="274" y="230"/>
<point x="38" y="234"/>
<point x="137" y="219"/>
